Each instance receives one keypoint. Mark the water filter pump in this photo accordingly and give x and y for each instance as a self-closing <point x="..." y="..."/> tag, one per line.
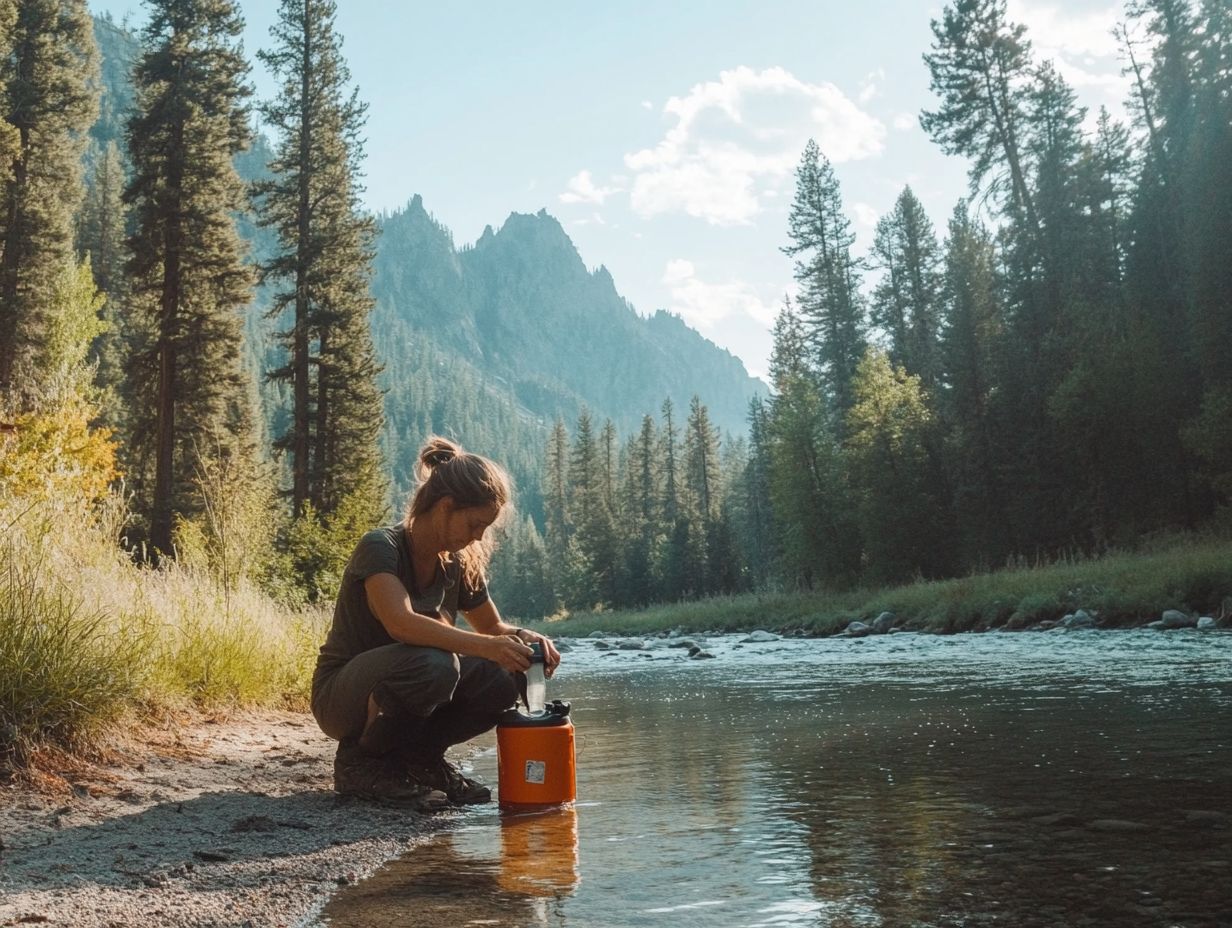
<point x="534" y="752"/>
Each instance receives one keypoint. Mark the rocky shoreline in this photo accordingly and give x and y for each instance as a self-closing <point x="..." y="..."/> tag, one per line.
<point x="220" y="823"/>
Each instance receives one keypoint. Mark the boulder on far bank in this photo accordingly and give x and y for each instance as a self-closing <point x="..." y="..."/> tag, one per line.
<point x="1174" y="618"/>
<point x="759" y="637"/>
<point x="1206" y="623"/>
<point x="1079" y="619"/>
<point x="858" y="630"/>
<point x="883" y="623"/>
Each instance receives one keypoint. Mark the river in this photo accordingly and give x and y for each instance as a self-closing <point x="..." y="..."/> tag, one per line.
<point x="1060" y="778"/>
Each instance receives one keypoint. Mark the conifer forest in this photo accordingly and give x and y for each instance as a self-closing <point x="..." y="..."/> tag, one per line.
<point x="209" y="342"/>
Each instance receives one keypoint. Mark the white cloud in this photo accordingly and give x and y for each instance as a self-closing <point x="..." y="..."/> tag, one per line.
<point x="904" y="121"/>
<point x="740" y="133"/>
<point x="593" y="220"/>
<point x="1079" y="42"/>
<point x="865" y="215"/>
<point x="703" y="305"/>
<point x="870" y="88"/>
<point x="647" y="105"/>
<point x="1053" y="27"/>
<point x="582" y="189"/>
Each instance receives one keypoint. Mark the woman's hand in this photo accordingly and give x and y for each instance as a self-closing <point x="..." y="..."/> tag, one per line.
<point x="551" y="657"/>
<point x="509" y="651"/>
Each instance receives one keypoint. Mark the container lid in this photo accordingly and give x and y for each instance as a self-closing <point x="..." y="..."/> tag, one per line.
<point x="554" y="713"/>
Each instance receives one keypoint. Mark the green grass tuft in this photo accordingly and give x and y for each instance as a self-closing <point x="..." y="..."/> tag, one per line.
<point x="63" y="672"/>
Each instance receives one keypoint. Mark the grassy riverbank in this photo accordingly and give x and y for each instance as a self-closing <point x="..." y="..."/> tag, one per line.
<point x="88" y="638"/>
<point x="1121" y="590"/>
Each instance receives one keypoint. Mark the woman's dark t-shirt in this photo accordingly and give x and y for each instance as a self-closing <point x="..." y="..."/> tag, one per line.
<point x="356" y="628"/>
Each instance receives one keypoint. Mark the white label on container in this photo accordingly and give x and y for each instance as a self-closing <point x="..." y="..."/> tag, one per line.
<point x="536" y="770"/>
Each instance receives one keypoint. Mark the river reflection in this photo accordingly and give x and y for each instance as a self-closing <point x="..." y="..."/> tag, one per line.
<point x="1004" y="780"/>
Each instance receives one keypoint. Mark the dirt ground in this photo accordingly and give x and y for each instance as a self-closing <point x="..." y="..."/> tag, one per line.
<point x="227" y="821"/>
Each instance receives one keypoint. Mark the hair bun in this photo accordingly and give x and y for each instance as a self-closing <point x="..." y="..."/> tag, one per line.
<point x="438" y="451"/>
<point x="439" y="456"/>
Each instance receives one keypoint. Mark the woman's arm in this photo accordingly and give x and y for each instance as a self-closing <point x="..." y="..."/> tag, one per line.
<point x="486" y="620"/>
<point x="391" y="604"/>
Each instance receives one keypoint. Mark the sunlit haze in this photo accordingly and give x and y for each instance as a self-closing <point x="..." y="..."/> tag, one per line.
<point x="664" y="137"/>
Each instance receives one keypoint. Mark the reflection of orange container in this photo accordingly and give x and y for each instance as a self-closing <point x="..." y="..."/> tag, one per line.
<point x="535" y="758"/>
<point x="539" y="852"/>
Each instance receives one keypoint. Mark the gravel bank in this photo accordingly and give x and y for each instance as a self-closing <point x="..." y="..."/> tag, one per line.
<point x="227" y="822"/>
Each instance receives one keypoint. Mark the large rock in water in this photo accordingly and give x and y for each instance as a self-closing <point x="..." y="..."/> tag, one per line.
<point x="1206" y="623"/>
<point x="1174" y="618"/>
<point x="858" y="630"/>
<point x="631" y="644"/>
<point x="759" y="637"/>
<point x="883" y="623"/>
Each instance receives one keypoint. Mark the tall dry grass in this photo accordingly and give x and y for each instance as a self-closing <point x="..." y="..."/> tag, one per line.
<point x="88" y="636"/>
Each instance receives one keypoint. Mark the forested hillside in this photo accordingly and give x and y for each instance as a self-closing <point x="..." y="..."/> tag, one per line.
<point x="491" y="342"/>
<point x="212" y="315"/>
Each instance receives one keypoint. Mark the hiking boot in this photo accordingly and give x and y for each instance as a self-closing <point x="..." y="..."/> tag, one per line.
<point x="439" y="774"/>
<point x="381" y="779"/>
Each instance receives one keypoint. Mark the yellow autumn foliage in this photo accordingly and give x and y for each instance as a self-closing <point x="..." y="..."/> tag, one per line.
<point x="55" y="454"/>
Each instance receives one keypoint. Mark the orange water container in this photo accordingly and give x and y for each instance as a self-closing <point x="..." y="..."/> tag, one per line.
<point x="534" y="756"/>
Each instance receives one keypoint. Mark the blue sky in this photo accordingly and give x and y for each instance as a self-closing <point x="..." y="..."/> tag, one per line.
<point x="663" y="136"/>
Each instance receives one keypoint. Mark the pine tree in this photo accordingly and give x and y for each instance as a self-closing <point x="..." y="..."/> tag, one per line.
<point x="642" y="515"/>
<point x="48" y="100"/>
<point x="595" y="535"/>
<point x="906" y="300"/>
<point x="557" y="522"/>
<point x="808" y="487"/>
<point x="322" y="266"/>
<point x="189" y="277"/>
<point x="673" y="569"/>
<point x="829" y="299"/>
<point x="703" y="495"/>
<point x="701" y="454"/>
<point x="758" y="529"/>
<point x="904" y="523"/>
<point x="100" y="236"/>
<point x="972" y="329"/>
<point x="1206" y="182"/>
<point x="978" y="64"/>
<point x="1111" y="167"/>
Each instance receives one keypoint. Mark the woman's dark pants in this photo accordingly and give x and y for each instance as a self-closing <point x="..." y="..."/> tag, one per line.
<point x="429" y="698"/>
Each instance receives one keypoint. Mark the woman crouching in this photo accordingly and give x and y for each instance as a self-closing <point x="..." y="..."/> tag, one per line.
<point x="396" y="682"/>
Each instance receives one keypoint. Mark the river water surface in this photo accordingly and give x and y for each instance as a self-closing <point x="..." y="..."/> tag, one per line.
<point x="1058" y="779"/>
